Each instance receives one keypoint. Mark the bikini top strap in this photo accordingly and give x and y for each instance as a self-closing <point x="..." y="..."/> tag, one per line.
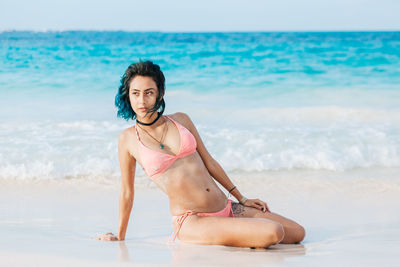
<point x="137" y="133"/>
<point x="168" y="117"/>
<point x="174" y="122"/>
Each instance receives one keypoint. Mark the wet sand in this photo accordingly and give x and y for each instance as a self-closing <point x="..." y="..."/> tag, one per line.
<point x="45" y="223"/>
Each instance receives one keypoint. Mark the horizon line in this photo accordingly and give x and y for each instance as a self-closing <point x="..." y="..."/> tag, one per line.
<point x="223" y="31"/>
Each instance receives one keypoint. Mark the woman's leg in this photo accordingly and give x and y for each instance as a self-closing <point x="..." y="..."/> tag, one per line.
<point x="294" y="232"/>
<point x="228" y="231"/>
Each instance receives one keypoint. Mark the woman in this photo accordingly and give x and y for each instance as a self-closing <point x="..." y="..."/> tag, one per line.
<point x="171" y="152"/>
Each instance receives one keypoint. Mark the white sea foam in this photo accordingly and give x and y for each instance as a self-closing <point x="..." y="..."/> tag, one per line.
<point x="312" y="138"/>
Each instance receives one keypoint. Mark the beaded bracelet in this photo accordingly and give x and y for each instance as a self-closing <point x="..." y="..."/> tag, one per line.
<point x="233" y="188"/>
<point x="243" y="200"/>
<point x="229" y="192"/>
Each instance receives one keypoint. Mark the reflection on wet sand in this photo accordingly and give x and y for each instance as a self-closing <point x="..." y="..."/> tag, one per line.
<point x="188" y="254"/>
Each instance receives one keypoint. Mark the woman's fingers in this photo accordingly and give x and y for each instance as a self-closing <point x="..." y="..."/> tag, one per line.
<point x="255" y="204"/>
<point x="266" y="206"/>
<point x="107" y="237"/>
<point x="261" y="205"/>
<point x="101" y="237"/>
<point x="110" y="238"/>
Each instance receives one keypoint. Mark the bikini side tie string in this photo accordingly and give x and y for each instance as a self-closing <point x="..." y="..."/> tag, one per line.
<point x="180" y="221"/>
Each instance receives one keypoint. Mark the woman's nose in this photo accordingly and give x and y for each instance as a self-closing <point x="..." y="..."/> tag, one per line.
<point x="141" y="98"/>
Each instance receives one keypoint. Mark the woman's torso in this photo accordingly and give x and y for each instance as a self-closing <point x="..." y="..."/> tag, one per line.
<point x="187" y="181"/>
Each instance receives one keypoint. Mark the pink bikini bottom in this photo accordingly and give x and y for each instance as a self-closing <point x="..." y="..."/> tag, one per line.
<point x="226" y="212"/>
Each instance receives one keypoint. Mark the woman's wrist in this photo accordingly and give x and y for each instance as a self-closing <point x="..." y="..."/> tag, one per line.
<point x="243" y="200"/>
<point x="121" y="235"/>
<point x="235" y="192"/>
<point x="233" y="188"/>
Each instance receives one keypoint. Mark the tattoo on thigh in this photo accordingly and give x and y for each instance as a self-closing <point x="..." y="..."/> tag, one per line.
<point x="237" y="208"/>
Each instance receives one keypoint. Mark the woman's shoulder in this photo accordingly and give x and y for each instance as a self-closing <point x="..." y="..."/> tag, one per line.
<point x="183" y="119"/>
<point x="180" y="117"/>
<point x="126" y="134"/>
<point x="127" y="141"/>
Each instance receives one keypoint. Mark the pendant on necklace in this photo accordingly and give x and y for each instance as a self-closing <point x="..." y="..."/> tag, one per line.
<point x="161" y="146"/>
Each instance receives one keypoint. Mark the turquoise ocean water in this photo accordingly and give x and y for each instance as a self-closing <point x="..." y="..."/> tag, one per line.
<point x="261" y="101"/>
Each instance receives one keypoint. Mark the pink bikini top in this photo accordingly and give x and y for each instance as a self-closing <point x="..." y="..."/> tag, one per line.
<point x="156" y="163"/>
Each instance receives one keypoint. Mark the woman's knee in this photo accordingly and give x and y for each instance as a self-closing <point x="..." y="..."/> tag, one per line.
<point x="300" y="234"/>
<point x="279" y="233"/>
<point x="294" y="234"/>
<point x="273" y="234"/>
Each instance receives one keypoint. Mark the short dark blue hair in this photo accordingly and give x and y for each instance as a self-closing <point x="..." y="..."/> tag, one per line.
<point x="141" y="68"/>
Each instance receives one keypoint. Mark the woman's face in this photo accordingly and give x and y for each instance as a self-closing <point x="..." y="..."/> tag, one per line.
<point x="143" y="93"/>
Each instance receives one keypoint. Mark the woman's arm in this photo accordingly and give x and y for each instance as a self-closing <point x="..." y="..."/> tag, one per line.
<point x="216" y="171"/>
<point x="128" y="167"/>
<point x="211" y="164"/>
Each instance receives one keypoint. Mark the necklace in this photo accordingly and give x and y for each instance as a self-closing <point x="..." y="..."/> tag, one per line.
<point x="151" y="123"/>
<point x="162" y="137"/>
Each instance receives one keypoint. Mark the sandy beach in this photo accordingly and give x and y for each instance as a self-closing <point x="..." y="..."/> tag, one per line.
<point x="47" y="223"/>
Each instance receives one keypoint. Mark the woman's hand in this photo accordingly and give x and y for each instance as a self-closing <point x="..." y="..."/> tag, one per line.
<point x="256" y="203"/>
<point x="107" y="237"/>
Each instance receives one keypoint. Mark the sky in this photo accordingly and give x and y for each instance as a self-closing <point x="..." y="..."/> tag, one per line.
<point x="200" y="16"/>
